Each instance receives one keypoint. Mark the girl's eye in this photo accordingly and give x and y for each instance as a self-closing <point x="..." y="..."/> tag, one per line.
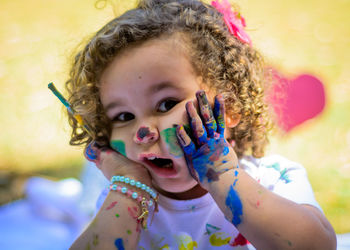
<point x="166" y="105"/>
<point x="123" y="117"/>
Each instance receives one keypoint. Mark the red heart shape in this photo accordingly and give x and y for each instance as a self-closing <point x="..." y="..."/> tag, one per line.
<point x="297" y="100"/>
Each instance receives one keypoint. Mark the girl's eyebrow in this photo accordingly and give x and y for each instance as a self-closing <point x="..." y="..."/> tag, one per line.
<point x="161" y="86"/>
<point x="112" y="105"/>
<point x="151" y="90"/>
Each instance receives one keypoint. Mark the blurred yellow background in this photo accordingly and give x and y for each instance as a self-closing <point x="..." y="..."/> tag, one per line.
<point x="37" y="39"/>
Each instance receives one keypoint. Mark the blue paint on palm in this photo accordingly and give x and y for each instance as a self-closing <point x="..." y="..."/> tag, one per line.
<point x="206" y="155"/>
<point x="233" y="202"/>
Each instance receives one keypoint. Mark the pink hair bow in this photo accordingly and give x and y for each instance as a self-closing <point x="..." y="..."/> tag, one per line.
<point x="234" y="21"/>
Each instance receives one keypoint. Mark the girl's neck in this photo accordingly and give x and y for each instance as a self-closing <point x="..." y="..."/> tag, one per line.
<point x="195" y="192"/>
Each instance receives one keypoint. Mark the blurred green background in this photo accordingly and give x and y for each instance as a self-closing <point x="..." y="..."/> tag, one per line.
<point x="37" y="39"/>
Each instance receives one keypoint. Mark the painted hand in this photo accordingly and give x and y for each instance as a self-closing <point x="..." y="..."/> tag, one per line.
<point x="111" y="162"/>
<point x="208" y="154"/>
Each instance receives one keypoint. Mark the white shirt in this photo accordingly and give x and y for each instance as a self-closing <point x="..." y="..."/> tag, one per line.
<point x="200" y="224"/>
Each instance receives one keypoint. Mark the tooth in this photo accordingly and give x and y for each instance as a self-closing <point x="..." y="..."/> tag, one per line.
<point x="151" y="158"/>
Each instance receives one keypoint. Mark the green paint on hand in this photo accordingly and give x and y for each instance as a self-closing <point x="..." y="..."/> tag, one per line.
<point x="117" y="215"/>
<point x="169" y="136"/>
<point x="128" y="231"/>
<point x="118" y="146"/>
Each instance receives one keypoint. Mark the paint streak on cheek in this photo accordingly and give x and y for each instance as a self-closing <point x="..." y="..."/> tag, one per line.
<point x="233" y="202"/>
<point x="172" y="144"/>
<point x="118" y="146"/>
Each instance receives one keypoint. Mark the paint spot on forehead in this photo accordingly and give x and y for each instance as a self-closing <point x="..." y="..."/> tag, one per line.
<point x="172" y="144"/>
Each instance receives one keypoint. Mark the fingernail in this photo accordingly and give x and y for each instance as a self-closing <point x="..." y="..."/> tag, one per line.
<point x="202" y="97"/>
<point x="179" y="131"/>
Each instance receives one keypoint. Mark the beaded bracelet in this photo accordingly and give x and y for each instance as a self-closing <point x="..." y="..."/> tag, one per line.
<point x="134" y="183"/>
<point x="134" y="195"/>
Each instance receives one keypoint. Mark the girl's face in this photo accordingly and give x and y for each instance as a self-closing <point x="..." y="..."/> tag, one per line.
<point x="144" y="92"/>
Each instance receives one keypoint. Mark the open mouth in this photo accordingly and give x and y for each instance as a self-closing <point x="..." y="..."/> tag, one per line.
<point x="159" y="162"/>
<point x="160" y="166"/>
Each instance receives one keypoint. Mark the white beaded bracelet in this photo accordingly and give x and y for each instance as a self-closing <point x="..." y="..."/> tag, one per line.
<point x="132" y="182"/>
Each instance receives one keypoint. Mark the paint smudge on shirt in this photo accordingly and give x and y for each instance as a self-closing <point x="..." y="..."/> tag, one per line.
<point x="211" y="228"/>
<point x="233" y="202"/>
<point x="112" y="205"/>
<point x="239" y="241"/>
<point x="283" y="173"/>
<point x="118" y="146"/>
<point x="219" y="239"/>
<point x="156" y="243"/>
<point x="172" y="144"/>
<point x="119" y="244"/>
<point x="185" y="242"/>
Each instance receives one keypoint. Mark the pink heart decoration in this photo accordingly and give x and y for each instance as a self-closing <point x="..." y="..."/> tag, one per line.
<point x="297" y="100"/>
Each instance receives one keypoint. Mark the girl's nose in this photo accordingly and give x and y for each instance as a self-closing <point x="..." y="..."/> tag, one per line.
<point x="146" y="135"/>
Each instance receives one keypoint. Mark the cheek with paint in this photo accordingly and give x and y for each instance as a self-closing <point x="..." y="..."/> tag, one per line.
<point x="118" y="146"/>
<point x="169" y="137"/>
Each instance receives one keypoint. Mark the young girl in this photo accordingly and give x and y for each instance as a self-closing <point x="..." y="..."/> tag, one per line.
<point x="173" y="92"/>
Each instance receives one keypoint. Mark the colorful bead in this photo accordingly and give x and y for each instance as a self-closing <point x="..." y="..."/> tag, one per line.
<point x="134" y="195"/>
<point x="143" y="186"/>
<point x="138" y="184"/>
<point x="114" y="187"/>
<point x="127" y="180"/>
<point x="122" y="178"/>
<point x="124" y="190"/>
<point x="132" y="182"/>
<point x="148" y="189"/>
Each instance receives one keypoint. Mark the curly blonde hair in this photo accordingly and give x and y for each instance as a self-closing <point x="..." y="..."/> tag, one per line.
<point x="225" y="64"/>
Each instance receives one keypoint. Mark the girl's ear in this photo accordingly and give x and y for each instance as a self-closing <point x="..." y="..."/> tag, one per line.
<point x="232" y="121"/>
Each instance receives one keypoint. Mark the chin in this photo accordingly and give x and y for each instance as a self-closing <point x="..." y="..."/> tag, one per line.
<point x="175" y="186"/>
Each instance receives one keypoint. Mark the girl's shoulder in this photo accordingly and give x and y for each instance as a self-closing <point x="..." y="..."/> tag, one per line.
<point x="281" y="176"/>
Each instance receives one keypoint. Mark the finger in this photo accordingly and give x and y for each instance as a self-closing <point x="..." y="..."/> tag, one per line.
<point x="206" y="113"/>
<point x="219" y="113"/>
<point x="198" y="130"/>
<point x="185" y="141"/>
<point x="91" y="153"/>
